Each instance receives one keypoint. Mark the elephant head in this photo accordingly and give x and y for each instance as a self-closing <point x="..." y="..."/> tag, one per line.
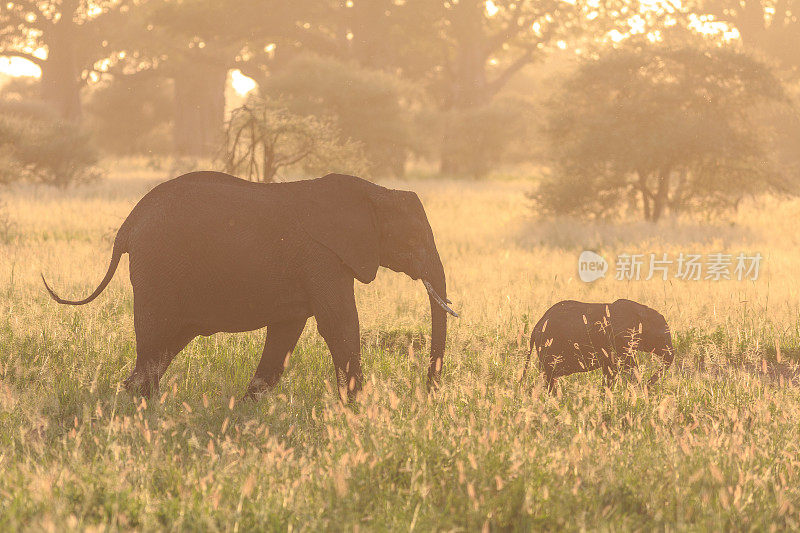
<point x="653" y="331"/>
<point x="368" y="226"/>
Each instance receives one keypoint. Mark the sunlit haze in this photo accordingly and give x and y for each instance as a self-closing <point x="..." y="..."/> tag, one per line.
<point x="14" y="66"/>
<point x="399" y="265"/>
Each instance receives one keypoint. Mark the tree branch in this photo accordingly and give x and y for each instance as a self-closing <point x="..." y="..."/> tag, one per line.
<point x="509" y="32"/>
<point x="781" y="19"/>
<point x="500" y="81"/>
<point x="38" y="61"/>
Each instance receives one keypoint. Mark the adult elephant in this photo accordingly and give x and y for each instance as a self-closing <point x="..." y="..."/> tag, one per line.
<point x="210" y="252"/>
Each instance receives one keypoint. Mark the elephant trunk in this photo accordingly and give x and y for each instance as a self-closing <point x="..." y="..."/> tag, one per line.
<point x="436" y="285"/>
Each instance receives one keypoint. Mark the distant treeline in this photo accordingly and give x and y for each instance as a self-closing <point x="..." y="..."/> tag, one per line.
<point x="468" y="86"/>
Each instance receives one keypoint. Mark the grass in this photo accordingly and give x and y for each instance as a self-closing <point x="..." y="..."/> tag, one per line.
<point x="716" y="445"/>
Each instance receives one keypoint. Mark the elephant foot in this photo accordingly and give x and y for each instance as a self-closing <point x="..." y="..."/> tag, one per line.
<point x="434" y="382"/>
<point x="138" y="385"/>
<point x="258" y="387"/>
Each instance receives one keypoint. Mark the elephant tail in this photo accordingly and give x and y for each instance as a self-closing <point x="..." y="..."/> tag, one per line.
<point x="120" y="247"/>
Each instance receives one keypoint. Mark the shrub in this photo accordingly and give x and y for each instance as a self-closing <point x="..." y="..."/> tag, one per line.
<point x="133" y="115"/>
<point x="368" y="106"/>
<point x="479" y="139"/>
<point x="654" y="128"/>
<point x="37" y="146"/>
<point x="262" y="137"/>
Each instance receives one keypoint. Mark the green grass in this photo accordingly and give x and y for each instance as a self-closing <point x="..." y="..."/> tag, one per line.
<point x="716" y="445"/>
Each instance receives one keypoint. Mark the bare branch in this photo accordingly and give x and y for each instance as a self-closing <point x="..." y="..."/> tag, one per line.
<point x="500" y="81"/>
<point x="38" y="61"/>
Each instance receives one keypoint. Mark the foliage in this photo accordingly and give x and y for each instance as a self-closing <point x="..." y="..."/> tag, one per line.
<point x="771" y="28"/>
<point x="20" y="89"/>
<point x="132" y="115"/>
<point x="464" y="53"/>
<point x="658" y="127"/>
<point x="782" y="123"/>
<point x="368" y="106"/>
<point x="481" y="138"/>
<point x="262" y="137"/>
<point x="76" y="36"/>
<point x="36" y="145"/>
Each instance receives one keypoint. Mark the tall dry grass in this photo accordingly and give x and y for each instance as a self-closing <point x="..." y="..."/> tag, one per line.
<point x="713" y="446"/>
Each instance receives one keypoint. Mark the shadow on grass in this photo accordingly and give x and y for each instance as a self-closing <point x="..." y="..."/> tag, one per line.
<point x="569" y="233"/>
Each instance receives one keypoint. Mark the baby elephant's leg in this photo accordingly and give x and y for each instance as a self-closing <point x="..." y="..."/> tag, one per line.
<point x="550" y="380"/>
<point x="547" y="366"/>
<point x="609" y="377"/>
<point x="610" y="369"/>
<point x="630" y="366"/>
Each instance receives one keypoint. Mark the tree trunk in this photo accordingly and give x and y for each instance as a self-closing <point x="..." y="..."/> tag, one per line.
<point x="199" y="108"/>
<point x="468" y="81"/>
<point x="450" y="157"/>
<point x="676" y="202"/>
<point x="369" y="26"/>
<point x="646" y="195"/>
<point x="61" y="83"/>
<point x="661" y="197"/>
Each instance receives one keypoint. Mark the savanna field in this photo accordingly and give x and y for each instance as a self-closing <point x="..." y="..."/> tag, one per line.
<point x="714" y="445"/>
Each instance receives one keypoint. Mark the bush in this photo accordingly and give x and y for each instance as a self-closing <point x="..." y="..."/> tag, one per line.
<point x="20" y="89"/>
<point x="39" y="147"/>
<point x="479" y="139"/>
<point x="364" y="105"/>
<point x="263" y="137"/>
<point x="658" y="128"/>
<point x="133" y="115"/>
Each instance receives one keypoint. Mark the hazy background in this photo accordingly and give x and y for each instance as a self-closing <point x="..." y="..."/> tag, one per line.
<point x="652" y="107"/>
<point x="531" y="131"/>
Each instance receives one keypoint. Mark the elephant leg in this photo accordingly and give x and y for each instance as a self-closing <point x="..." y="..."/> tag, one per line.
<point x="630" y="366"/>
<point x="337" y="322"/>
<point x="155" y="350"/>
<point x="281" y="340"/>
<point x="610" y="365"/>
<point x="550" y="380"/>
<point x="547" y="370"/>
<point x="609" y="375"/>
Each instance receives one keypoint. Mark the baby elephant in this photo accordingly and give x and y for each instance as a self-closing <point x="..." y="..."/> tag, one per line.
<point x="579" y="337"/>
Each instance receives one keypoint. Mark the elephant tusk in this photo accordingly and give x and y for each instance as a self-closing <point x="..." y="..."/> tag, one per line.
<point x="438" y="298"/>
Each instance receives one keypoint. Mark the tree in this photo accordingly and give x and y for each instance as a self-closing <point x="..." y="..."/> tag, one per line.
<point x="132" y="114"/>
<point x="771" y="27"/>
<point x="488" y="136"/>
<point x="660" y="128"/>
<point x="73" y="36"/>
<point x="196" y="43"/>
<point x="37" y="146"/>
<point x="463" y="53"/>
<point x="263" y="137"/>
<point x="365" y="105"/>
<point x="483" y="44"/>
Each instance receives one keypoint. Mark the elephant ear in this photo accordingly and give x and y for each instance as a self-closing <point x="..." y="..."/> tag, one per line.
<point x="338" y="213"/>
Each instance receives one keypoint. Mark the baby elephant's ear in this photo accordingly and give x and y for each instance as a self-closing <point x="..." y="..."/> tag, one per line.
<point x="337" y="212"/>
